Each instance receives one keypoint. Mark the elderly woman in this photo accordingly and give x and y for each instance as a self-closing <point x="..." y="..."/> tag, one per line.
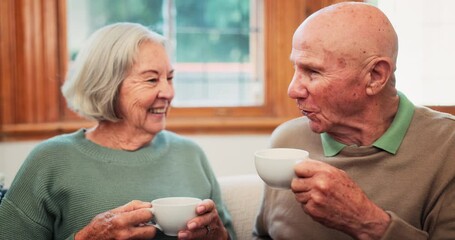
<point x="97" y="183"/>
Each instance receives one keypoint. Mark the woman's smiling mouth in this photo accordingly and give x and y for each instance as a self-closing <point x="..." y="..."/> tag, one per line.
<point x="158" y="110"/>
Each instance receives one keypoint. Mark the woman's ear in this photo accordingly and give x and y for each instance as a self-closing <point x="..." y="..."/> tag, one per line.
<point x="380" y="73"/>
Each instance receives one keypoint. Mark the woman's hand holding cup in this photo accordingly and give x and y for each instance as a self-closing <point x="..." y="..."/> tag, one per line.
<point x="125" y="222"/>
<point x="207" y="224"/>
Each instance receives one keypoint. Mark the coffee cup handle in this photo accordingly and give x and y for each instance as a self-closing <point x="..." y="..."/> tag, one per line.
<point x="153" y="222"/>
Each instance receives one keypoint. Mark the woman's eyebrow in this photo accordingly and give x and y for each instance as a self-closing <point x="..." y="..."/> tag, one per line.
<point x="155" y="71"/>
<point x="149" y="71"/>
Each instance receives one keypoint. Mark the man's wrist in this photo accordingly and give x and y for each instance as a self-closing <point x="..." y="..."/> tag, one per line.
<point x="374" y="230"/>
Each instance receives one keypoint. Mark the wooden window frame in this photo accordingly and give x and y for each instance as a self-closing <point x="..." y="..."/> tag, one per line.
<point x="33" y="63"/>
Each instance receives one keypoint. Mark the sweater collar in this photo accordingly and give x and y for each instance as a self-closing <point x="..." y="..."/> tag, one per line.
<point x="157" y="147"/>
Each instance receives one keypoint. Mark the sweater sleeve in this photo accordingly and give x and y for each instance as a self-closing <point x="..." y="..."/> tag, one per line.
<point x="22" y="213"/>
<point x="28" y="211"/>
<point x="15" y="224"/>
<point x="399" y="229"/>
<point x="71" y="237"/>
<point x="439" y="223"/>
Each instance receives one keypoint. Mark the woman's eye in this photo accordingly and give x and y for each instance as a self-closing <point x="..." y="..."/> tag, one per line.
<point x="152" y="80"/>
<point x="170" y="78"/>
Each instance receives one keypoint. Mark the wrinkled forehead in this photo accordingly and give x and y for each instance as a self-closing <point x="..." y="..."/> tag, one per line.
<point x="323" y="31"/>
<point x="311" y="41"/>
<point x="322" y="49"/>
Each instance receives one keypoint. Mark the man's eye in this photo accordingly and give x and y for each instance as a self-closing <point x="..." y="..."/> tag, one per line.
<point x="170" y="78"/>
<point x="152" y="80"/>
<point x="311" y="71"/>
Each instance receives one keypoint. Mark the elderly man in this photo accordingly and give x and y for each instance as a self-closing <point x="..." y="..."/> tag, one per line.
<point x="380" y="167"/>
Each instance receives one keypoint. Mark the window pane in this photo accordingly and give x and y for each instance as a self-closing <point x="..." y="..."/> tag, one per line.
<point x="86" y="16"/>
<point x="216" y="46"/>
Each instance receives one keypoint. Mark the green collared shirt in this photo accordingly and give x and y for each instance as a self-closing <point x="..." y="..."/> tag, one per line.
<point x="390" y="141"/>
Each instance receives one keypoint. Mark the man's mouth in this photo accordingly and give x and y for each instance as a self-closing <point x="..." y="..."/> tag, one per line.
<point x="309" y="114"/>
<point x="305" y="113"/>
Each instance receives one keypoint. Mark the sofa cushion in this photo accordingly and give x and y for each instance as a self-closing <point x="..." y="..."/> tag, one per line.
<point x="242" y="195"/>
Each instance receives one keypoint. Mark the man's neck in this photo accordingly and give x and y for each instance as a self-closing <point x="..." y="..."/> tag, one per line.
<point x="365" y="129"/>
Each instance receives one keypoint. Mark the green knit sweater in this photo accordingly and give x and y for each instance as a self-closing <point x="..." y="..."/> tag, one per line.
<point x="68" y="180"/>
<point x="416" y="186"/>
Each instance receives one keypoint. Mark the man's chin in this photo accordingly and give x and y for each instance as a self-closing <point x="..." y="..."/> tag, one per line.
<point x="316" y="127"/>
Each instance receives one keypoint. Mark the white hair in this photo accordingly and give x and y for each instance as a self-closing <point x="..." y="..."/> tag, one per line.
<point x="92" y="86"/>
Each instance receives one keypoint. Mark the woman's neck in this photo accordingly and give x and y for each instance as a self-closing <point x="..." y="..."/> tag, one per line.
<point x="117" y="135"/>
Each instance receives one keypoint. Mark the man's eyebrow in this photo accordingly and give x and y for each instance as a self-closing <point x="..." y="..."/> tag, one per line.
<point x="310" y="65"/>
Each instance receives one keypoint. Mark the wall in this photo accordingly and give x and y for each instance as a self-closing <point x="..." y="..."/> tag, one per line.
<point x="228" y="154"/>
<point x="425" y="58"/>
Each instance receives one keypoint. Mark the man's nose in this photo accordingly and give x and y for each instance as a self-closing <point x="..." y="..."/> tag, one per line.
<point x="298" y="87"/>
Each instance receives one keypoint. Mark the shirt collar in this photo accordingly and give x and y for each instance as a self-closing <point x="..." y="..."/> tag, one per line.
<point x="390" y="141"/>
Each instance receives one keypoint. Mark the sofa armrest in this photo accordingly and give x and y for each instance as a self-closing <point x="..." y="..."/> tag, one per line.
<point x="242" y="195"/>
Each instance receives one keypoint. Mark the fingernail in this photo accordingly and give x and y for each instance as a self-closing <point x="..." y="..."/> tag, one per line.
<point x="192" y="225"/>
<point x="183" y="235"/>
<point x="200" y="209"/>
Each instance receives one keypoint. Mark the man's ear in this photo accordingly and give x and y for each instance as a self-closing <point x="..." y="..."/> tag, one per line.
<point x="380" y="73"/>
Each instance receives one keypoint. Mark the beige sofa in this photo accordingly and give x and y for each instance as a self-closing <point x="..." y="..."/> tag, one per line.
<point x="242" y="195"/>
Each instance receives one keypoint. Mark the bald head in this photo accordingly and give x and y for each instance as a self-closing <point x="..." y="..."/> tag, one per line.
<point x="357" y="30"/>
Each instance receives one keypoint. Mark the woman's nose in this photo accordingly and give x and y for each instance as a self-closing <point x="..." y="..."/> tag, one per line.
<point x="166" y="90"/>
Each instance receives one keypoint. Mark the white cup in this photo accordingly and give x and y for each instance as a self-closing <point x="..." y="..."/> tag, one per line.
<point x="275" y="166"/>
<point x="171" y="214"/>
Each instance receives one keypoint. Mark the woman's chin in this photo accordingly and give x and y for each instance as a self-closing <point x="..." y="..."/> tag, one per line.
<point x="156" y="127"/>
